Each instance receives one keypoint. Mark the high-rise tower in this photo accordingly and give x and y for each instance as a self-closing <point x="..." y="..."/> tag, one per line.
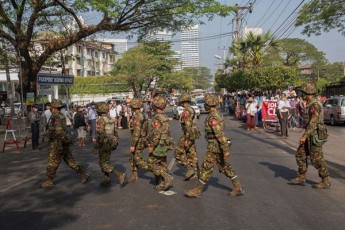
<point x="190" y="47"/>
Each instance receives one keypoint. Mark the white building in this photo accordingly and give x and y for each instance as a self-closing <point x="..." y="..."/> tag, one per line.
<point x="120" y="46"/>
<point x="177" y="56"/>
<point x="254" y="30"/>
<point x="163" y="35"/>
<point x="190" y="56"/>
<point x="89" y="58"/>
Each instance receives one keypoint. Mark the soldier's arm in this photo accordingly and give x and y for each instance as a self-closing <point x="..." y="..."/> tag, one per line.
<point x="156" y="133"/>
<point x="186" y="117"/>
<point x="314" y="111"/>
<point x="136" y="127"/>
<point x="219" y="134"/>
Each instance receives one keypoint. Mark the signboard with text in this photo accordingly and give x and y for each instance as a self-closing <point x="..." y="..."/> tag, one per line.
<point x="53" y="79"/>
<point x="268" y="108"/>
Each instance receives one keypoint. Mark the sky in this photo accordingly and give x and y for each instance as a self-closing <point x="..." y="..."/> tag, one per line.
<point x="271" y="15"/>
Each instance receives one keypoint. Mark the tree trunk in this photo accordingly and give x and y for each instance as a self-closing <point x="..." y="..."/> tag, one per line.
<point x="10" y="94"/>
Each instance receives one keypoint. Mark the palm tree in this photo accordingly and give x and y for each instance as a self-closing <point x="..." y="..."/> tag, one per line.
<point x="258" y="45"/>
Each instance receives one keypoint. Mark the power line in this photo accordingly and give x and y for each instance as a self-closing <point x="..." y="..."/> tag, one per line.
<point x="289" y="16"/>
<point x="280" y="15"/>
<point x="216" y="36"/>
<point x="264" y="14"/>
<point x="271" y="14"/>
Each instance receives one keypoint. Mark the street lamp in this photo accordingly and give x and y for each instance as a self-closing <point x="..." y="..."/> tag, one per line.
<point x="220" y="58"/>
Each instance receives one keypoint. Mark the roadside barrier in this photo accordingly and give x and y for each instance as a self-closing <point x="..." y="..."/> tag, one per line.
<point x="10" y="128"/>
<point x="21" y="127"/>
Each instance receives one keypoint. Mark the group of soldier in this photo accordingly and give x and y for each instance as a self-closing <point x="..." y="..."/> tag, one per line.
<point x="156" y="136"/>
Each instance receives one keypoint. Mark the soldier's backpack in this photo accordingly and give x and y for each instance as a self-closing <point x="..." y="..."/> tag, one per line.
<point x="195" y="133"/>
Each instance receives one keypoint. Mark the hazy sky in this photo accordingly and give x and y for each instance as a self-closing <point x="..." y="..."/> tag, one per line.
<point x="270" y="15"/>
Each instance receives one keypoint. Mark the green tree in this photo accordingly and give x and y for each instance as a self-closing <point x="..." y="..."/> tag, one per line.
<point x="187" y="79"/>
<point x="98" y="85"/>
<point x="294" y="52"/>
<point x="319" y="16"/>
<point x="249" y="53"/>
<point x="145" y="63"/>
<point x="24" y="20"/>
<point x="265" y="78"/>
<point x="259" y="45"/>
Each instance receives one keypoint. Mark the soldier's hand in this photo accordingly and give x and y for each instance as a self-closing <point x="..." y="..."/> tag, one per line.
<point x="302" y="140"/>
<point x="226" y="155"/>
<point x="150" y="149"/>
<point x="131" y="149"/>
<point x="186" y="144"/>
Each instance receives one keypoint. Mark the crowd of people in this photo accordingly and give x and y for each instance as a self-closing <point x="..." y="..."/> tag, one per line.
<point x="247" y="106"/>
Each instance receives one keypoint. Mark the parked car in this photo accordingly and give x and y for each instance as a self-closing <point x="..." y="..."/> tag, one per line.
<point x="200" y="103"/>
<point x="178" y="109"/>
<point x="334" y="110"/>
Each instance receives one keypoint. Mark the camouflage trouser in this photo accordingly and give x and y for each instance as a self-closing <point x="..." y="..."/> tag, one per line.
<point x="186" y="155"/>
<point x="214" y="156"/>
<point x="104" y="161"/>
<point x="136" y="160"/>
<point x="58" y="152"/>
<point x="158" y="165"/>
<point x="316" y="158"/>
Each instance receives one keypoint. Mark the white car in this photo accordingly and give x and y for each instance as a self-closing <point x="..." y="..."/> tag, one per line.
<point x="178" y="109"/>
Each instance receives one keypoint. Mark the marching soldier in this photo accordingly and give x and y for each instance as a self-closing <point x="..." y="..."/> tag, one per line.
<point x="314" y="136"/>
<point x="59" y="148"/>
<point x="185" y="152"/>
<point x="139" y="128"/>
<point x="160" y="142"/>
<point x="217" y="150"/>
<point x="107" y="140"/>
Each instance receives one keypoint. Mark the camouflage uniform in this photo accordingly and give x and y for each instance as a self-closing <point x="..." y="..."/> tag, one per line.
<point x="187" y="155"/>
<point x="314" y="127"/>
<point x="107" y="140"/>
<point x="59" y="148"/>
<point x="217" y="151"/>
<point x="138" y="126"/>
<point x="160" y="141"/>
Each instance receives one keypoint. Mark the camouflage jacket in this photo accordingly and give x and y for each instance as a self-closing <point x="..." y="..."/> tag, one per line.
<point x="138" y="127"/>
<point x="187" y="120"/>
<point x="160" y="130"/>
<point x="214" y="125"/>
<point x="57" y="127"/>
<point x="105" y="128"/>
<point x="312" y="117"/>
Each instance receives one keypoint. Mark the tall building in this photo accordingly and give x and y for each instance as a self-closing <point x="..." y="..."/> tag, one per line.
<point x="190" y="56"/>
<point x="177" y="56"/>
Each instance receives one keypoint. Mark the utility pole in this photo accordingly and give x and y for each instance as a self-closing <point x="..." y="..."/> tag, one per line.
<point x="239" y="13"/>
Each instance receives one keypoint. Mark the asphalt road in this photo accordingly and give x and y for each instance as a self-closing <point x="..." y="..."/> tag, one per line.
<point x="264" y="163"/>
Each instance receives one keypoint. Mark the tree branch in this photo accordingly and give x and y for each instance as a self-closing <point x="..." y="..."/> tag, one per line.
<point x="70" y="11"/>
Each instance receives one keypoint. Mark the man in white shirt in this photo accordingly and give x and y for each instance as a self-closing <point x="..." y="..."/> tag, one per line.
<point x="47" y="112"/>
<point x="119" y="111"/>
<point x="283" y="114"/>
<point x="113" y="111"/>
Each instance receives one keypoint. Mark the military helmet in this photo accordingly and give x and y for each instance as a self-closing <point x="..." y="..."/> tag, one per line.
<point x="211" y="99"/>
<point x="136" y="103"/>
<point x="102" y="107"/>
<point x="56" y="103"/>
<point x="185" y="97"/>
<point x="308" y="88"/>
<point x="159" y="102"/>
